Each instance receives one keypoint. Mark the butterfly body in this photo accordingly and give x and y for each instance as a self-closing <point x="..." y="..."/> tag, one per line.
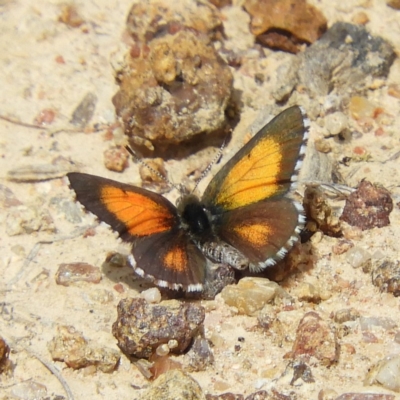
<point x="243" y="219"/>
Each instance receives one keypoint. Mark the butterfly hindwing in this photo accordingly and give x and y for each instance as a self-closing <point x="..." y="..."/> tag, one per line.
<point x="263" y="232"/>
<point x="183" y="264"/>
<point x="264" y="167"/>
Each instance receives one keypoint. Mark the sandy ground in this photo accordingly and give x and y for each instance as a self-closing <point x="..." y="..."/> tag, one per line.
<point x="33" y="305"/>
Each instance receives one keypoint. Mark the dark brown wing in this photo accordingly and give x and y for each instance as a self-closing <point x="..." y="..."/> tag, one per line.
<point x="131" y="211"/>
<point x="265" y="167"/>
<point x="170" y="260"/>
<point x="263" y="232"/>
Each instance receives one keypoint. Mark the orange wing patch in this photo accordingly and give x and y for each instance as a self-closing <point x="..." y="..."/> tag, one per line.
<point x="141" y="215"/>
<point x="256" y="234"/>
<point x="253" y="177"/>
<point x="176" y="259"/>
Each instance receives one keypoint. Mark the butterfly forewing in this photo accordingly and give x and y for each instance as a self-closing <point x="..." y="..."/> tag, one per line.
<point x="263" y="168"/>
<point x="131" y="211"/>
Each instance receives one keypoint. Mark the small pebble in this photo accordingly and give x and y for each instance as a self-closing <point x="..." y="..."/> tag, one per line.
<point x="336" y="123"/>
<point x="308" y="292"/>
<point x="394" y="90"/>
<point x="162" y="350"/>
<point x="71" y="273"/>
<point x="357" y="256"/>
<point x="250" y="295"/>
<point x="327" y="394"/>
<point x="84" y="111"/>
<point x="346" y="314"/>
<point x="152" y="295"/>
<point x="29" y="390"/>
<point x="386" y="373"/>
<point x="116" y="159"/>
<point x="360" y="18"/>
<point x="174" y="385"/>
<point x="172" y="344"/>
<point x="368" y="323"/>
<point x="361" y="107"/>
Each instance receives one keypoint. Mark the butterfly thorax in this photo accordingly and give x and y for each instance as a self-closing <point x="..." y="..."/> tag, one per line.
<point x="198" y="221"/>
<point x="194" y="217"/>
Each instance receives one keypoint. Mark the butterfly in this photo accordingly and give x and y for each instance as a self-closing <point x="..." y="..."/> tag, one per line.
<point x="244" y="218"/>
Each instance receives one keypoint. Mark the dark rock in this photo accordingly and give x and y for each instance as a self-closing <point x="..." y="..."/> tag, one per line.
<point x="140" y="327"/>
<point x="386" y="277"/>
<point x="345" y="60"/>
<point x="301" y="371"/>
<point x="200" y="355"/>
<point x="368" y="207"/>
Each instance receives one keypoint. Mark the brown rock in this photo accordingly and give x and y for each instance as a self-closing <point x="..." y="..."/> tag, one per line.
<point x="154" y="18"/>
<point x="320" y="213"/>
<point x="285" y="24"/>
<point x="346" y="314"/>
<point x="174" y="385"/>
<point x="368" y="207"/>
<point x="71" y="347"/>
<point x="179" y="90"/>
<point x="5" y="363"/>
<point x="315" y="338"/>
<point x="70" y="16"/>
<point x="116" y="159"/>
<point x="342" y="246"/>
<point x="153" y="174"/>
<point x="394" y="4"/>
<point x="225" y="396"/>
<point x="140" y="327"/>
<point x="71" y="273"/>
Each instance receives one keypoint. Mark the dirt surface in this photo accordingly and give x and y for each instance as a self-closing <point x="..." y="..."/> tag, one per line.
<point x="47" y="65"/>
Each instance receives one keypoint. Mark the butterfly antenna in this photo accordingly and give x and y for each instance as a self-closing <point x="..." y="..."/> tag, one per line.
<point x="214" y="161"/>
<point x="150" y="168"/>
